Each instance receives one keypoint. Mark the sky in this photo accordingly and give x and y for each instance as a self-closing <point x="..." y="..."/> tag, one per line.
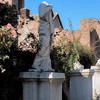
<point x="74" y="10"/>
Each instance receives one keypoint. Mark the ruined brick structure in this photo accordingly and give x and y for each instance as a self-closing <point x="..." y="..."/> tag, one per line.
<point x="88" y="32"/>
<point x="90" y="28"/>
<point x="33" y="22"/>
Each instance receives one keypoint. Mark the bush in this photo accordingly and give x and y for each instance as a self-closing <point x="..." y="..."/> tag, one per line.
<point x="70" y="51"/>
<point x="78" y="52"/>
<point x="9" y="86"/>
<point x="8" y="38"/>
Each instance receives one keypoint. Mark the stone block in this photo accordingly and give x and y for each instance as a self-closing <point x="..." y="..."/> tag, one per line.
<point x="42" y="85"/>
<point x="81" y="84"/>
<point x="25" y="13"/>
<point x="96" y="82"/>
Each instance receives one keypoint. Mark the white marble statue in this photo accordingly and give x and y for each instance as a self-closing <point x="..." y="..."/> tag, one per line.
<point x="98" y="62"/>
<point x="77" y="66"/>
<point x="42" y="60"/>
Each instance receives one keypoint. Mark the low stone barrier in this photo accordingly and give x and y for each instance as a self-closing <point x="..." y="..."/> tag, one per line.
<point x="81" y="84"/>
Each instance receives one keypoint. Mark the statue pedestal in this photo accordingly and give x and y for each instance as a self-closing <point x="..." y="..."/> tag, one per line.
<point x="81" y="84"/>
<point x="42" y="85"/>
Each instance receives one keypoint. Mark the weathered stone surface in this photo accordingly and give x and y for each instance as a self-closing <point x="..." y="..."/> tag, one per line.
<point x="81" y="84"/>
<point x="77" y="66"/>
<point x="88" y="34"/>
<point x="96" y="82"/>
<point x="42" y="60"/>
<point x="42" y="85"/>
<point x="98" y="63"/>
<point x="25" y="13"/>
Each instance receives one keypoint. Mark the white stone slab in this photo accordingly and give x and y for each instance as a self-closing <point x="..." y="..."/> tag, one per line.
<point x="39" y="75"/>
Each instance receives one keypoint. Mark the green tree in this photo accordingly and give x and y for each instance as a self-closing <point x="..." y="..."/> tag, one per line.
<point x="69" y="51"/>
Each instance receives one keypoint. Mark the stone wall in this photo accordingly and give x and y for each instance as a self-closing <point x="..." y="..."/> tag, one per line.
<point x="88" y="34"/>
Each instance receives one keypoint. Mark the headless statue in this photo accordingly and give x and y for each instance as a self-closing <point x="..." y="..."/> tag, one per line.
<point x="42" y="60"/>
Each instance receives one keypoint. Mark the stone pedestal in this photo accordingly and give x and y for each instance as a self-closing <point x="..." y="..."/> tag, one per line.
<point x="81" y="84"/>
<point x="96" y="82"/>
<point x="42" y="85"/>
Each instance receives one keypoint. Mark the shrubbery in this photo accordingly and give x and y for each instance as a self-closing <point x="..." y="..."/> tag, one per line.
<point x="8" y="38"/>
<point x="70" y="51"/>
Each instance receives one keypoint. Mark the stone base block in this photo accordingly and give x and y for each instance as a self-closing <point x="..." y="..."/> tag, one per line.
<point x="81" y="84"/>
<point x="42" y="85"/>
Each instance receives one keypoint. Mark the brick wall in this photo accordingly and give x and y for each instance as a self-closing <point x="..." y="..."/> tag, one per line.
<point x="88" y="33"/>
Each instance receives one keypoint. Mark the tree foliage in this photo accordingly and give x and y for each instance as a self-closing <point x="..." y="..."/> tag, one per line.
<point x="69" y="51"/>
<point x="8" y="14"/>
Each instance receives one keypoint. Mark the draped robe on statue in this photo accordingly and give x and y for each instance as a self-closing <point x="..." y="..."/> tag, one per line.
<point x="42" y="60"/>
